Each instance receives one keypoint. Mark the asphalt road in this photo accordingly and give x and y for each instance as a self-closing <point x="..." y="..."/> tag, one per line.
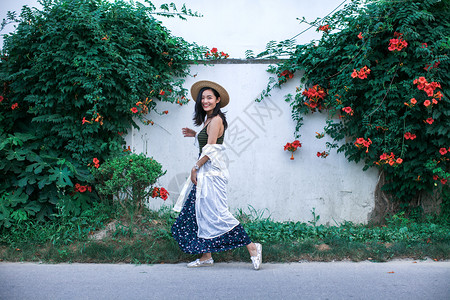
<point x="405" y="279"/>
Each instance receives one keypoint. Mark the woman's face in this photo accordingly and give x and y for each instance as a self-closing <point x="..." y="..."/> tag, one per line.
<point x="209" y="101"/>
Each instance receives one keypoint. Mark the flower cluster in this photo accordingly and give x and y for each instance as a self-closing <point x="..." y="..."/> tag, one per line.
<point x="409" y="136"/>
<point x="389" y="159"/>
<point x="98" y="119"/>
<point x="285" y="75"/>
<point x="348" y="110"/>
<point x="428" y="87"/>
<point x="315" y="94"/>
<point x="429" y="121"/>
<point x="292" y="147"/>
<point x="82" y="188"/>
<point x="397" y="43"/>
<point x="322" y="154"/>
<point x="428" y="67"/>
<point x="214" y="54"/>
<point x="96" y="162"/>
<point x="442" y="180"/>
<point x="142" y="106"/>
<point x="362" y="73"/>
<point x="14" y="106"/>
<point x="160" y="192"/>
<point x="361" y="142"/>
<point x="324" y="28"/>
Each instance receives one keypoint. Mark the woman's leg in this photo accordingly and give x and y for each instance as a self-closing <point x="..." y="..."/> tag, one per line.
<point x="205" y="256"/>
<point x="252" y="249"/>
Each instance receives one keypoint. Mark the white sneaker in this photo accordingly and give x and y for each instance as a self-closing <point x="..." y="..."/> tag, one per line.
<point x="257" y="260"/>
<point x="198" y="263"/>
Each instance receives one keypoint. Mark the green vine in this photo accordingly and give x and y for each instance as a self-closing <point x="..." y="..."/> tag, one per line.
<point x="381" y="72"/>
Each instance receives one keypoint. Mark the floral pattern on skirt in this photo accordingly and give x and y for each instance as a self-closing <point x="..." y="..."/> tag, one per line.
<point x="185" y="228"/>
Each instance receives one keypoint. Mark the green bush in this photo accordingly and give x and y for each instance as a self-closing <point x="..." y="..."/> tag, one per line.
<point x="128" y="179"/>
<point x="75" y="76"/>
<point x="381" y="71"/>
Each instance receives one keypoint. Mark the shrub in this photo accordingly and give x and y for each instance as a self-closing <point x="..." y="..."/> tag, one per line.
<point x="74" y="76"/>
<point x="128" y="179"/>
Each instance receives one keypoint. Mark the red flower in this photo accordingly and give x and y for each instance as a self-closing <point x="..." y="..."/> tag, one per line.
<point x="348" y="110"/>
<point x="134" y="110"/>
<point x="362" y="73"/>
<point x="155" y="192"/>
<point x="1" y="99"/>
<point x="413" y="101"/>
<point x="95" y="160"/>
<point x="319" y="154"/>
<point x="163" y="193"/>
<point x="429" y="121"/>
<point x="324" y="28"/>
<point x="443" y="151"/>
<point x="162" y="93"/>
<point x="397" y="44"/>
<point x="383" y="156"/>
<point x="214" y="50"/>
<point x="424" y="45"/>
<point x="427" y="103"/>
<point x="14" y="106"/>
<point x="360" y="36"/>
<point x="443" y="181"/>
<point x="82" y="189"/>
<point x="399" y="160"/>
<point x="435" y="177"/>
<point x="165" y="112"/>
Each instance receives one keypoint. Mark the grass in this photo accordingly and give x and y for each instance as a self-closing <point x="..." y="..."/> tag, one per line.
<point x="149" y="241"/>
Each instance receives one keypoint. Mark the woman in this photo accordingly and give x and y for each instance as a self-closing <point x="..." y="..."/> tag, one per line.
<point x="205" y="224"/>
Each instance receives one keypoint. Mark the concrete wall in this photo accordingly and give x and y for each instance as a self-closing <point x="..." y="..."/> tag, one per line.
<point x="262" y="174"/>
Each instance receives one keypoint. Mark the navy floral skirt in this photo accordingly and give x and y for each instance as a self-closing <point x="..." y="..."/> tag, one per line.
<point x="184" y="231"/>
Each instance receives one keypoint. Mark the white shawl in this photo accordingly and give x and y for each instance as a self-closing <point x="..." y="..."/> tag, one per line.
<point x="211" y="207"/>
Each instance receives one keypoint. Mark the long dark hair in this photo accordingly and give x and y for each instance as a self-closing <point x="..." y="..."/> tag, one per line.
<point x="200" y="113"/>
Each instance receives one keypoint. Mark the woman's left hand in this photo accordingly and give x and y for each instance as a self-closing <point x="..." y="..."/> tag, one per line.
<point x="194" y="176"/>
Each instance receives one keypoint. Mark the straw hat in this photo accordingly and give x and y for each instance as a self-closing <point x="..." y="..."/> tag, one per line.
<point x="196" y="87"/>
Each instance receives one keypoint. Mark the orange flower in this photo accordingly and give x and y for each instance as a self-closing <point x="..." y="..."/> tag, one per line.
<point x="399" y="160"/>
<point x="443" y="151"/>
<point x="413" y="101"/>
<point x="134" y="110"/>
<point x="427" y="103"/>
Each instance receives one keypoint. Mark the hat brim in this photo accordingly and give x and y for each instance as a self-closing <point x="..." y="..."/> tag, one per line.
<point x="224" y="97"/>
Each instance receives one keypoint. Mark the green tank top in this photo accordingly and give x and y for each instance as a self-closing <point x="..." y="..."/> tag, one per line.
<point x="203" y="138"/>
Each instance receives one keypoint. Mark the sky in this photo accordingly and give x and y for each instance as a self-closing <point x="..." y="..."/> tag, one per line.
<point x="232" y="26"/>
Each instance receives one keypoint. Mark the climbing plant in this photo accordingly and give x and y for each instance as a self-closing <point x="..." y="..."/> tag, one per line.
<point x="381" y="71"/>
<point x="75" y="75"/>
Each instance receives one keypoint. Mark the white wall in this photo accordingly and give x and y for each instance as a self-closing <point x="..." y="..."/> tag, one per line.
<point x="262" y="174"/>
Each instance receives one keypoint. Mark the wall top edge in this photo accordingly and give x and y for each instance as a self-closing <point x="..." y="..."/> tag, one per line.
<point x="237" y="61"/>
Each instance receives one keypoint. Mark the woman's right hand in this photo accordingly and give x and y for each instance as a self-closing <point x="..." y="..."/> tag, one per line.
<point x="187" y="132"/>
